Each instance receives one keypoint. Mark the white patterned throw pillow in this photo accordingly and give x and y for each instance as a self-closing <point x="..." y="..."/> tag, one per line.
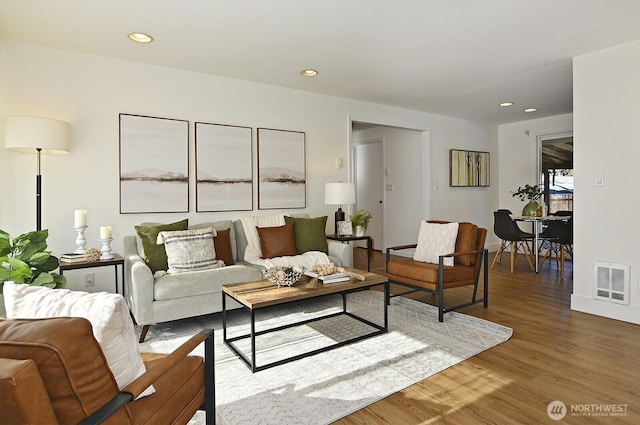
<point x="434" y="240"/>
<point x="108" y="313"/>
<point x="189" y="250"/>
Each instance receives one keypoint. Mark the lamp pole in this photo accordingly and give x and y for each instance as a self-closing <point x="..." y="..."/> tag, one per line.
<point x="38" y="191"/>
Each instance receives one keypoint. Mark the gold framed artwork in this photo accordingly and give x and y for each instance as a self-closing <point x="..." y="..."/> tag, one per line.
<point x="468" y="168"/>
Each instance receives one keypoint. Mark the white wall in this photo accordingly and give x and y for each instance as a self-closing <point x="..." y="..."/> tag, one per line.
<point x="90" y="91"/>
<point x="517" y="151"/>
<point x="418" y="164"/>
<point x="607" y="140"/>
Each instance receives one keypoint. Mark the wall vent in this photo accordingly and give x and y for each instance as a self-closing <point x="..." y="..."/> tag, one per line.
<point x="611" y="282"/>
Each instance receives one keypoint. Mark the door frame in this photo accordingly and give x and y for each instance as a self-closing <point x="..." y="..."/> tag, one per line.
<point x="354" y="173"/>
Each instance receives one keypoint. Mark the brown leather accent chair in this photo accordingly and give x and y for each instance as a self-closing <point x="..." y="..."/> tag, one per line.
<point x="469" y="257"/>
<point x="53" y="371"/>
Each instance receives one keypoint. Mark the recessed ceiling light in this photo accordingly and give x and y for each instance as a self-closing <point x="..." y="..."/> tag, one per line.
<point x="505" y="104"/>
<point x="530" y="110"/>
<point x="140" y="37"/>
<point x="308" y="72"/>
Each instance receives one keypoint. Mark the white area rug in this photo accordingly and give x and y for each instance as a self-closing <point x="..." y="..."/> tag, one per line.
<point x="323" y="388"/>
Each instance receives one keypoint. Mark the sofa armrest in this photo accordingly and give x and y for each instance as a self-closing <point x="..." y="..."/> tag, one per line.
<point x="138" y="282"/>
<point x="342" y="251"/>
<point x="24" y="398"/>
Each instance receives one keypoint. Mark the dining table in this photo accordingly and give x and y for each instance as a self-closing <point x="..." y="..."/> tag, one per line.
<point x="536" y="224"/>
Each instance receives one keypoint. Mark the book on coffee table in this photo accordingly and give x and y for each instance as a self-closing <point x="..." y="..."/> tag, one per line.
<point x="331" y="278"/>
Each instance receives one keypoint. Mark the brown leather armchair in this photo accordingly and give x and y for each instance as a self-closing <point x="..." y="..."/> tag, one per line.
<point x="53" y="371"/>
<point x="469" y="257"/>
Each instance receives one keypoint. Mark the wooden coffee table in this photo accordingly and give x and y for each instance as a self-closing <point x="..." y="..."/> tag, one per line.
<point x="261" y="294"/>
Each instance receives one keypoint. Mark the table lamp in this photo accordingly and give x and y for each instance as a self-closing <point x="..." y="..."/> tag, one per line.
<point x="40" y="136"/>
<point x="339" y="194"/>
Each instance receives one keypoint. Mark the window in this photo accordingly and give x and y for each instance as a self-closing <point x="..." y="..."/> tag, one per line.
<point x="556" y="171"/>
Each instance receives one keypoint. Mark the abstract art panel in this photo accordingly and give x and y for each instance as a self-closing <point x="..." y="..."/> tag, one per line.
<point x="468" y="168"/>
<point x="281" y="169"/>
<point x="154" y="164"/>
<point x="224" y="171"/>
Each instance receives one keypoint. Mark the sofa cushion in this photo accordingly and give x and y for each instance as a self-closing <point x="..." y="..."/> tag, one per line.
<point x="184" y="285"/>
<point x="435" y="239"/>
<point x="189" y="250"/>
<point x="154" y="255"/>
<point x="222" y="244"/>
<point x="248" y="238"/>
<point x="220" y="226"/>
<point x="310" y="233"/>
<point x="108" y="314"/>
<point x="277" y="241"/>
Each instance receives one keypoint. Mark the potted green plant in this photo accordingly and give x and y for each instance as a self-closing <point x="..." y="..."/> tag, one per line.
<point x="530" y="193"/>
<point x="24" y="259"/>
<point x="360" y="221"/>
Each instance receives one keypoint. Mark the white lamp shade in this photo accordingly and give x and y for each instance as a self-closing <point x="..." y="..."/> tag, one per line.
<point x="339" y="193"/>
<point x="26" y="134"/>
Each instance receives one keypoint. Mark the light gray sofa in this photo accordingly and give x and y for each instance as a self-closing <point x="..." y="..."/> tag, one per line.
<point x="182" y="295"/>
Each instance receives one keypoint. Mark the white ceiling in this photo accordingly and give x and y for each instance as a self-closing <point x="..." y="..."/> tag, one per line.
<point x="452" y="57"/>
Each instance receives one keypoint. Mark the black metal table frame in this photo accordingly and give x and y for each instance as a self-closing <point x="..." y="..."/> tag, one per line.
<point x="116" y="261"/>
<point x="251" y="364"/>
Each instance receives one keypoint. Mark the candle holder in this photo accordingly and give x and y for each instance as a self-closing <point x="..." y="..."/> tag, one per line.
<point x="81" y="242"/>
<point x="105" y="252"/>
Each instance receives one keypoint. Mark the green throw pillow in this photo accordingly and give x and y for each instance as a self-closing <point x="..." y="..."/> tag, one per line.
<point x="310" y="233"/>
<point x="154" y="254"/>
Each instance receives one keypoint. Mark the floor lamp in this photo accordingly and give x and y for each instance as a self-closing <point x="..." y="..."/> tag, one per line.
<point x="339" y="194"/>
<point x="40" y="136"/>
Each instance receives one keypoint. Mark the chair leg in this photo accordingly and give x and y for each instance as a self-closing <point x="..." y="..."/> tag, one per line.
<point x="528" y="255"/>
<point x="498" y="254"/>
<point x="562" y="262"/>
<point x="514" y="249"/>
<point x="143" y="333"/>
<point x="545" y="256"/>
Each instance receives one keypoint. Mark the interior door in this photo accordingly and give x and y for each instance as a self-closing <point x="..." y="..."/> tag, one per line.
<point x="369" y="180"/>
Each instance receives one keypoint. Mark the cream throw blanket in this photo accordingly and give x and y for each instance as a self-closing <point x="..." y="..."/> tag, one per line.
<point x="253" y="252"/>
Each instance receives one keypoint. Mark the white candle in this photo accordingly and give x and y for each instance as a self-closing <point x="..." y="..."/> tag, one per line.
<point x="80" y="218"/>
<point x="105" y="232"/>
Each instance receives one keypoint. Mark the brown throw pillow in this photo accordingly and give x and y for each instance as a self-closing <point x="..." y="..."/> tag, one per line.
<point x="278" y="241"/>
<point x="222" y="244"/>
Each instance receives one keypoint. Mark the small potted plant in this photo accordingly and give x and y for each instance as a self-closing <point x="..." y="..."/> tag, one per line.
<point x="530" y="193"/>
<point x="360" y="221"/>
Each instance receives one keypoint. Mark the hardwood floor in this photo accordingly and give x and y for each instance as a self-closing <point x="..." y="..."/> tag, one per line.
<point x="587" y="362"/>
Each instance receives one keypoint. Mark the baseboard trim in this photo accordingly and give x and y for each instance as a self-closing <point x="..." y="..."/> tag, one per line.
<point x="625" y="313"/>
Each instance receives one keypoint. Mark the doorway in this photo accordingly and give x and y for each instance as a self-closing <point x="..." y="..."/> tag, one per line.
<point x="368" y="170"/>
<point x="555" y="159"/>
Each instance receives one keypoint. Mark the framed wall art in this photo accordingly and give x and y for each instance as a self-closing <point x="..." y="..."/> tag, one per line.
<point x="281" y="169"/>
<point x="154" y="164"/>
<point x="468" y="168"/>
<point x="224" y="168"/>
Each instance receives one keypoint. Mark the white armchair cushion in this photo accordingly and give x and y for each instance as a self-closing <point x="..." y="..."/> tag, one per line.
<point x="434" y="240"/>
